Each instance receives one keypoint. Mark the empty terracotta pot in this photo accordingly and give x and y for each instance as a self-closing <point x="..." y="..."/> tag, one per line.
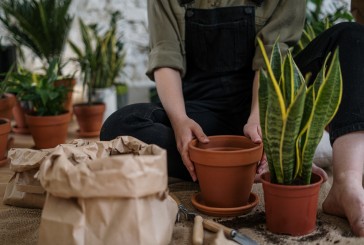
<point x="225" y="168"/>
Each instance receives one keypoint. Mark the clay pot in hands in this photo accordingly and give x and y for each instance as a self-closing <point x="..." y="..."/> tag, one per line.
<point x="225" y="168"/>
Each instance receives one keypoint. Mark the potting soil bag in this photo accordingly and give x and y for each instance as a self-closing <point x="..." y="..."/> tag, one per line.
<point x="24" y="189"/>
<point x="106" y="192"/>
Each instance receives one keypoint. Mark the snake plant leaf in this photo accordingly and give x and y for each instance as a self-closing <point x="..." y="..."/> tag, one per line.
<point x="277" y="113"/>
<point x="263" y="104"/>
<point x="325" y="107"/>
<point x="276" y="62"/>
<point x="291" y="129"/>
<point x="292" y="78"/>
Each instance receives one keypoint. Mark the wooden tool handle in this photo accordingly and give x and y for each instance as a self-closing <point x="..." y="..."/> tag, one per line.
<point x="215" y="227"/>
<point x="197" y="234"/>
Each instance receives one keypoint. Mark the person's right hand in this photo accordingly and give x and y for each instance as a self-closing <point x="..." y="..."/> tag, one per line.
<point x="185" y="131"/>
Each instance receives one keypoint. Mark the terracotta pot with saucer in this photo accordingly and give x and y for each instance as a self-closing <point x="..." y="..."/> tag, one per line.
<point x="89" y="118"/>
<point x="225" y="168"/>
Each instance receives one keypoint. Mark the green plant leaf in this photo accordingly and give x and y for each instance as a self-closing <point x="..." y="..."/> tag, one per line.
<point x="325" y="106"/>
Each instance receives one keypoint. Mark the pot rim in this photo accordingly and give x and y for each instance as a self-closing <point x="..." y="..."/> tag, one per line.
<point x="192" y="144"/>
<point x="228" y="158"/>
<point x="266" y="182"/>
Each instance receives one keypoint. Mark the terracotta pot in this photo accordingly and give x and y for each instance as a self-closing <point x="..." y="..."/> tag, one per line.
<point x="21" y="126"/>
<point x="89" y="118"/>
<point x="48" y="131"/>
<point x="69" y="83"/>
<point x="5" y="129"/>
<point x="6" y="106"/>
<point x="291" y="209"/>
<point x="225" y="168"/>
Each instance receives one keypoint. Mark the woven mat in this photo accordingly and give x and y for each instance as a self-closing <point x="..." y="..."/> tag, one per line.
<point x="20" y="225"/>
<point x="330" y="229"/>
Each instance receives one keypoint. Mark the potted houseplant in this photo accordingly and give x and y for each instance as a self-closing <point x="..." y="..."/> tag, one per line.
<point x="43" y="27"/>
<point x="293" y="117"/>
<point x="101" y="60"/>
<point x="46" y="118"/>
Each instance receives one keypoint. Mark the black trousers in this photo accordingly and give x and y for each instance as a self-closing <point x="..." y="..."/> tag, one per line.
<point x="349" y="37"/>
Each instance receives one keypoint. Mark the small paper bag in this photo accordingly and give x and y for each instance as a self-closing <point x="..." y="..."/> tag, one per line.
<point x="111" y="192"/>
<point x="23" y="189"/>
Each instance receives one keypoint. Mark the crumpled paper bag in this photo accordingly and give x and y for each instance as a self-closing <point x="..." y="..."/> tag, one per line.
<point x="23" y="189"/>
<point x="106" y="192"/>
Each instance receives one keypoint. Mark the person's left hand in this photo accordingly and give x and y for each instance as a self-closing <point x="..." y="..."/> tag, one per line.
<point x="253" y="131"/>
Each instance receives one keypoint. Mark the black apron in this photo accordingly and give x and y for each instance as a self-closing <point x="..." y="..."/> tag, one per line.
<point x="219" y="52"/>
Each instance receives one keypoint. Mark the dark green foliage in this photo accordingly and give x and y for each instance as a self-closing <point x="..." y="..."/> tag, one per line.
<point x="41" y="25"/>
<point x="39" y="90"/>
<point x="102" y="56"/>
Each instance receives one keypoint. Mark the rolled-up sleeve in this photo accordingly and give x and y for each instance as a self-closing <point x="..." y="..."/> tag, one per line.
<point x="164" y="38"/>
<point x="285" y="24"/>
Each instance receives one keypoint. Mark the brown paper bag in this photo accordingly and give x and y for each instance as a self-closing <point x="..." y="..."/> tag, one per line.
<point x="23" y="189"/>
<point x="111" y="192"/>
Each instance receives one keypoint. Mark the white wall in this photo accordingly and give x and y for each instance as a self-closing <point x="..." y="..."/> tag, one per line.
<point x="133" y="28"/>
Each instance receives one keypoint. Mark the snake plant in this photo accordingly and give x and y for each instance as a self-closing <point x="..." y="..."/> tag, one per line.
<point x="293" y="115"/>
<point x="102" y="58"/>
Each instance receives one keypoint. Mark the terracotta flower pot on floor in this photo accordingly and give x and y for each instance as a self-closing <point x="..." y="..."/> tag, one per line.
<point x="225" y="168"/>
<point x="291" y="209"/>
<point x="48" y="131"/>
<point x="6" y="106"/>
<point x="21" y="126"/>
<point x="89" y="118"/>
<point x="69" y="83"/>
<point x="5" y="141"/>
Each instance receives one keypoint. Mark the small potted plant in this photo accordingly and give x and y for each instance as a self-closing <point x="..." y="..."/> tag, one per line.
<point x="101" y="61"/>
<point x="47" y="118"/>
<point x="293" y="117"/>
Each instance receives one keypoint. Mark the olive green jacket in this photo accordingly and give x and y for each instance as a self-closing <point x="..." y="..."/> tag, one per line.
<point x="275" y="18"/>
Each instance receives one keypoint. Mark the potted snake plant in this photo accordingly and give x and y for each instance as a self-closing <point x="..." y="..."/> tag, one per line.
<point x="101" y="60"/>
<point x="293" y="117"/>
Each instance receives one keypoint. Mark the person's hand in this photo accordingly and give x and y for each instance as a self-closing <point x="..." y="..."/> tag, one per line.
<point x="253" y="131"/>
<point x="185" y="131"/>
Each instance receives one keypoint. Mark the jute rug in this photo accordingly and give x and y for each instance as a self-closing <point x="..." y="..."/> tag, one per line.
<point x="330" y="229"/>
<point x="20" y="225"/>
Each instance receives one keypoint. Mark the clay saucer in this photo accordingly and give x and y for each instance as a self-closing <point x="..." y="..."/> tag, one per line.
<point x="88" y="134"/>
<point x="198" y="203"/>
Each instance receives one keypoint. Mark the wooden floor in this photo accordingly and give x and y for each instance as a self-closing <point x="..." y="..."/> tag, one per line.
<point x="26" y="141"/>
